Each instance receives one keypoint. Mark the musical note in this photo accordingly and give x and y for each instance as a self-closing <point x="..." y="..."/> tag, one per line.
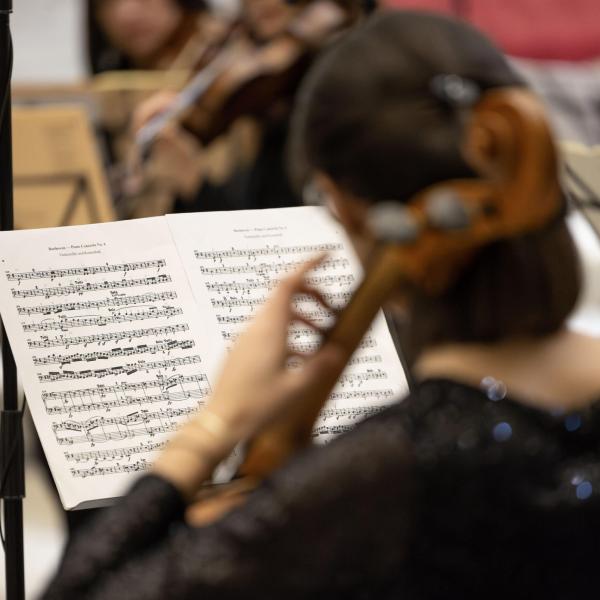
<point x="113" y="301"/>
<point x="267" y="251"/>
<point x="371" y="395"/>
<point x="95" y="471"/>
<point x="309" y="347"/>
<point x="103" y="338"/>
<point x="83" y="288"/>
<point x="275" y="268"/>
<point x="162" y="346"/>
<point x="350" y="412"/>
<point x="312" y="315"/>
<point x="238" y="281"/>
<point x="64" y="323"/>
<point x="318" y="281"/>
<point x="367" y="359"/>
<point x="353" y="379"/>
<point x="236" y="302"/>
<point x="114" y="453"/>
<point x="126" y="369"/>
<point x="104" y="429"/>
<point x="85" y="271"/>
<point x="160" y="389"/>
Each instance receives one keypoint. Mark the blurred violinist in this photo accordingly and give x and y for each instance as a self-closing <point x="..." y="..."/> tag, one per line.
<point x="255" y="176"/>
<point x="143" y="34"/>
<point x="137" y="37"/>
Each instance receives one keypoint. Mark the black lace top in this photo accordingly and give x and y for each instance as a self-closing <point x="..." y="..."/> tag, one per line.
<point x="454" y="493"/>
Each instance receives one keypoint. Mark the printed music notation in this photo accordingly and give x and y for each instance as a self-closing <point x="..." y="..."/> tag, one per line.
<point x="274" y="268"/>
<point x="104" y="338"/>
<point x="326" y="431"/>
<point x="105" y="429"/>
<point x="239" y="279"/>
<point x="174" y="388"/>
<point x="114" y="453"/>
<point x="136" y="467"/>
<point x="367" y="359"/>
<point x="313" y="315"/>
<point x="115" y="351"/>
<point x="309" y="347"/>
<point x="357" y="379"/>
<point x="117" y="355"/>
<point x="349" y="416"/>
<point x="118" y="352"/>
<point x="110" y="429"/>
<point x="267" y="284"/>
<point x="351" y="413"/>
<point x="233" y="302"/>
<point x="371" y="395"/>
<point x="113" y="301"/>
<point x="278" y="251"/>
<point x="126" y="369"/>
<point x="65" y="323"/>
<point x="80" y="287"/>
<point x="85" y="271"/>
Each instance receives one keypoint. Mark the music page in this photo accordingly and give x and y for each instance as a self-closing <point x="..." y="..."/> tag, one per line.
<point x="111" y="350"/>
<point x="234" y="259"/>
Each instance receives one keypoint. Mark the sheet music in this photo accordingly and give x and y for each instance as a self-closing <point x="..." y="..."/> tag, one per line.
<point x="234" y="259"/>
<point x="110" y="347"/>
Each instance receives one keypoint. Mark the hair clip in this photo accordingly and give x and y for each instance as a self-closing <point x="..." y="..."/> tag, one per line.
<point x="454" y="90"/>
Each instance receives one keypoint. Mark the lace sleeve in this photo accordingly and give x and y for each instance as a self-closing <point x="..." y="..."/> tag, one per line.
<point x="335" y="519"/>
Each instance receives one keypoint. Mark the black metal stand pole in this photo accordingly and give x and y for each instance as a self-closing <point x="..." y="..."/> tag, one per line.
<point x="11" y="430"/>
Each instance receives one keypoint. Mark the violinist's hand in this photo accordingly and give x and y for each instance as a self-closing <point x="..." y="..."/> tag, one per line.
<point x="255" y="388"/>
<point x="151" y="107"/>
<point x="176" y="161"/>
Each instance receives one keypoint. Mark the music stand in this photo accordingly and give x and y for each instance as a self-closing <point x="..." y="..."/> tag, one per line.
<point x="81" y="190"/>
<point x="12" y="472"/>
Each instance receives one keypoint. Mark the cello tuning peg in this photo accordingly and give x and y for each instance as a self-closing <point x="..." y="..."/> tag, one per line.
<point x="393" y="222"/>
<point x="446" y="210"/>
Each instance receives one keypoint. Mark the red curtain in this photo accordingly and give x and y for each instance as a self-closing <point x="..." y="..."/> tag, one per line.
<point x="542" y="29"/>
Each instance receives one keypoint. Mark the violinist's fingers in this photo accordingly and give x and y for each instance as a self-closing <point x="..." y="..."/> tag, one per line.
<point x="151" y="107"/>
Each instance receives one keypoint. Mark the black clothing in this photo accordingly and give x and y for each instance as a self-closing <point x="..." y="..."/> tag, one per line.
<point x="264" y="184"/>
<point x="450" y="494"/>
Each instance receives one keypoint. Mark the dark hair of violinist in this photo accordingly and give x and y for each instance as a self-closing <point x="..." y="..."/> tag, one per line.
<point x="129" y="34"/>
<point x="483" y="482"/>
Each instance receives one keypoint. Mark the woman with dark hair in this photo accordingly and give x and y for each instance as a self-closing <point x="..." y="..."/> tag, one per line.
<point x="139" y="34"/>
<point x="151" y="36"/>
<point x="483" y="482"/>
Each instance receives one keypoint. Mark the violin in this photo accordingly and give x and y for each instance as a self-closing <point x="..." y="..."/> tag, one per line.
<point x="509" y="144"/>
<point x="245" y="77"/>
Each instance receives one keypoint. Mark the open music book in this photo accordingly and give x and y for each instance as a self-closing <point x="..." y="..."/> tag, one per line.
<point x="118" y="330"/>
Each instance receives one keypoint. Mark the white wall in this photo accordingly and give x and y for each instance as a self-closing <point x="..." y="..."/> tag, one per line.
<point x="48" y="39"/>
<point x="48" y="36"/>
